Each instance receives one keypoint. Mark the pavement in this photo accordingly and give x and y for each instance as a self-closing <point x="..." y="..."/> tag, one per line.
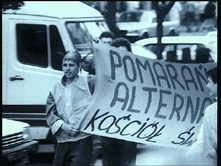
<point x="146" y="155"/>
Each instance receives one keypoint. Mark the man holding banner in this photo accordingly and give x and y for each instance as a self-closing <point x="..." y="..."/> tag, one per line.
<point x="115" y="151"/>
<point x="146" y="101"/>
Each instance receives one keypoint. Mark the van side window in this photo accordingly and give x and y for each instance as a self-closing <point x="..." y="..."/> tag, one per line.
<point x="32" y="44"/>
<point x="80" y="36"/>
<point x="57" y="48"/>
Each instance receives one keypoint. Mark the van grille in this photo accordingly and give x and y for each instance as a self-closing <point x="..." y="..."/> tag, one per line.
<point x="12" y="140"/>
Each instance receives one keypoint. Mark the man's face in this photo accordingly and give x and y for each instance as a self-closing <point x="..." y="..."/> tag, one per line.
<point x="70" y="68"/>
<point x="107" y="40"/>
<point x="212" y="87"/>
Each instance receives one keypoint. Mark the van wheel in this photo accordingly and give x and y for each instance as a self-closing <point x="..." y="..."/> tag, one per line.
<point x="145" y="35"/>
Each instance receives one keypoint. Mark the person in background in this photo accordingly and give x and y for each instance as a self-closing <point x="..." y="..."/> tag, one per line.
<point x="190" y="10"/>
<point x="210" y="14"/>
<point x="122" y="43"/>
<point x="201" y="8"/>
<point x="205" y="147"/>
<point x="66" y="105"/>
<point x="117" y="152"/>
<point x="88" y="61"/>
<point x="107" y="37"/>
<point x="202" y="55"/>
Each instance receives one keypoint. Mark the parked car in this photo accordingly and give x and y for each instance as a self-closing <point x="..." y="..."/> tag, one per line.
<point x="143" y="24"/>
<point x="212" y="45"/>
<point x="17" y="143"/>
<point x="185" y="49"/>
<point x="141" y="51"/>
<point x="212" y="34"/>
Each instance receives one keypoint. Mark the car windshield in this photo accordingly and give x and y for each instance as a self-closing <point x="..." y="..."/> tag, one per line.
<point x="81" y="33"/>
<point x="134" y="17"/>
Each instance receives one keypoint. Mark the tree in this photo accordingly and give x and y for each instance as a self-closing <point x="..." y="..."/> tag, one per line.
<point x="11" y="5"/>
<point x="161" y="10"/>
<point x="110" y="16"/>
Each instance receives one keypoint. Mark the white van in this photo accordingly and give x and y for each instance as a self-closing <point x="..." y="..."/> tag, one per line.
<point x="34" y="39"/>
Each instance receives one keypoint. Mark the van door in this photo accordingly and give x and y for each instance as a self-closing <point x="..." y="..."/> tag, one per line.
<point x="33" y="63"/>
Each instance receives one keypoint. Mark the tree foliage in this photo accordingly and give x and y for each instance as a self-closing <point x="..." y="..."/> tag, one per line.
<point x="11" y="5"/>
<point x="162" y="9"/>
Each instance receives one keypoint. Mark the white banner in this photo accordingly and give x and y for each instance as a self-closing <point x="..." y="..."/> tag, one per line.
<point x="146" y="101"/>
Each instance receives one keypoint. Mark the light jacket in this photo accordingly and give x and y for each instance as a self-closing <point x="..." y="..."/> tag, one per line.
<point x="68" y="104"/>
<point x="206" y="144"/>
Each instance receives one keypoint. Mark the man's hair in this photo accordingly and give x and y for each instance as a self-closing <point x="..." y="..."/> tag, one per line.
<point x="121" y="42"/>
<point x="107" y="34"/>
<point x="213" y="74"/>
<point x="76" y="56"/>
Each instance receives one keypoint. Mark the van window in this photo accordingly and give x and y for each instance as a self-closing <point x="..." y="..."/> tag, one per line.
<point x="57" y="48"/>
<point x="32" y="44"/>
<point x="79" y="36"/>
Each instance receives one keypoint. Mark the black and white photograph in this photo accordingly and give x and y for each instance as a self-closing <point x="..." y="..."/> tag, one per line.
<point x="109" y="83"/>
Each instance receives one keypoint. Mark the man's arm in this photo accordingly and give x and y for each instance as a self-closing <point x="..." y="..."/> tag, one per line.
<point x="91" y="83"/>
<point x="52" y="118"/>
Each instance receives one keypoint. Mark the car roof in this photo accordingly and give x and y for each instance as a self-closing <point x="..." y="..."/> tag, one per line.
<point x="141" y="51"/>
<point x="58" y="9"/>
<point x="177" y="39"/>
<point x="137" y="11"/>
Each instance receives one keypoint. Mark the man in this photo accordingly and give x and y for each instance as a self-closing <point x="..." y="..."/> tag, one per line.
<point x="88" y="61"/>
<point x="66" y="106"/>
<point x="206" y="144"/>
<point x="107" y="37"/>
<point x="117" y="152"/>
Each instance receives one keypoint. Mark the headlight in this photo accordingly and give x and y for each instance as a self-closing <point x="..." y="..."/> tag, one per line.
<point x="26" y="134"/>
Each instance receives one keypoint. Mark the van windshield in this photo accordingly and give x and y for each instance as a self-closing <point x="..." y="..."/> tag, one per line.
<point x="81" y="33"/>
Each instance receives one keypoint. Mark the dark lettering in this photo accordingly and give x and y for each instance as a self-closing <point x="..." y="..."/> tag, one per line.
<point x="118" y="99"/>
<point x="140" y="128"/>
<point x="135" y="121"/>
<point x="198" y="76"/>
<point x="161" y="104"/>
<point x="154" y="126"/>
<point x="108" y="127"/>
<point x="188" y="73"/>
<point x="147" y="64"/>
<point x="116" y="124"/>
<point x="130" y="109"/>
<point x="94" y="118"/>
<point x="173" y="77"/>
<point x="183" y="138"/>
<point x="155" y="134"/>
<point x="158" y="76"/>
<point x="114" y="65"/>
<point x="150" y="90"/>
<point x="189" y="106"/>
<point x="175" y="107"/>
<point x="129" y="59"/>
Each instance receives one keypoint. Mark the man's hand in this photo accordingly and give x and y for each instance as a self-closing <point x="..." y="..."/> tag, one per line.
<point x="69" y="129"/>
